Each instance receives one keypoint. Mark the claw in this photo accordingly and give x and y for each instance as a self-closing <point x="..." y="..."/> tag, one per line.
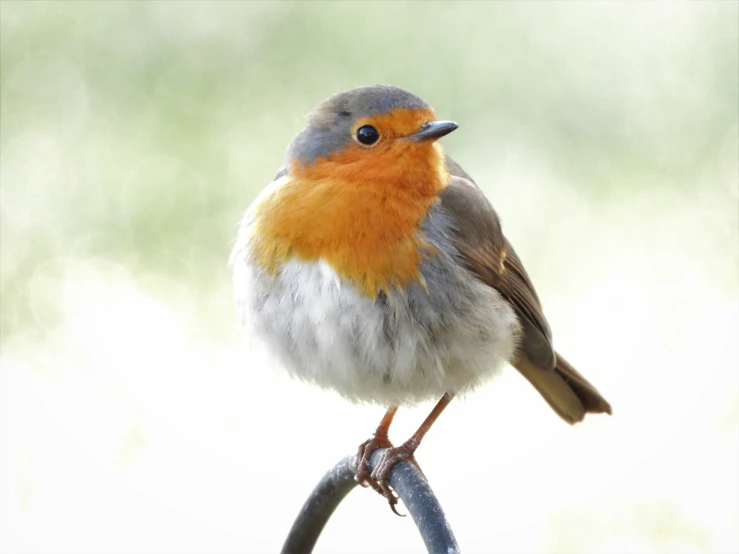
<point x="390" y="495"/>
<point x="381" y="474"/>
<point x="366" y="479"/>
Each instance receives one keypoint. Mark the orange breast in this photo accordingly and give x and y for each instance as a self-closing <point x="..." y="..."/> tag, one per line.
<point x="359" y="211"/>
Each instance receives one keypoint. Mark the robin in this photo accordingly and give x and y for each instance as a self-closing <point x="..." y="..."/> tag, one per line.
<point x="373" y="265"/>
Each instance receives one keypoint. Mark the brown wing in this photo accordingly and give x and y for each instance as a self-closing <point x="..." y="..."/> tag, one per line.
<point x="491" y="257"/>
<point x="480" y="241"/>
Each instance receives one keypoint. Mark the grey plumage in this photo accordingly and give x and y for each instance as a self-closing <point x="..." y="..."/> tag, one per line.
<point x="331" y="122"/>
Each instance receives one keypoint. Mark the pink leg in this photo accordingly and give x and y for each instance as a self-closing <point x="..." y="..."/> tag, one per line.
<point x="393" y="455"/>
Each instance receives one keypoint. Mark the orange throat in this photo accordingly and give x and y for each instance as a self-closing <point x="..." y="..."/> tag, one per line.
<point x="361" y="218"/>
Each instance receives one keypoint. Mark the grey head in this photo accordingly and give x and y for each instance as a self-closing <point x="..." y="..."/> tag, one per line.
<point x="330" y="124"/>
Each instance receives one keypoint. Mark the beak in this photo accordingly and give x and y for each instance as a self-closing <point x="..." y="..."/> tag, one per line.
<point x="433" y="130"/>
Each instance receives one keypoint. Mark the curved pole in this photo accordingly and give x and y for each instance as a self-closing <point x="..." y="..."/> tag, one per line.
<point x="407" y="481"/>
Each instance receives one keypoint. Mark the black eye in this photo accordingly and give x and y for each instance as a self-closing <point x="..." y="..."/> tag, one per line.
<point x="367" y="135"/>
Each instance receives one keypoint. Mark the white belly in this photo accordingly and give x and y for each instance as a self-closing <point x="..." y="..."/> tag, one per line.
<point x="411" y="347"/>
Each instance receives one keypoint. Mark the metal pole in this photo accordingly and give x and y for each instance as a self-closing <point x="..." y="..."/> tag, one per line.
<point x="407" y="481"/>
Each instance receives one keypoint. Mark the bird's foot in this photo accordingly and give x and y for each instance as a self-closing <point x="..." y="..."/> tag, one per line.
<point x="367" y="479"/>
<point x="361" y="463"/>
<point x="381" y="475"/>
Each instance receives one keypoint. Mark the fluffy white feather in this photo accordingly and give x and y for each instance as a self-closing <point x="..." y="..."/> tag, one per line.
<point x="396" y="351"/>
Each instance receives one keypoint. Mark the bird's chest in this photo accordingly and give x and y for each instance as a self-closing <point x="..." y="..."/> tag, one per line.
<point x="402" y="347"/>
<point x="368" y="235"/>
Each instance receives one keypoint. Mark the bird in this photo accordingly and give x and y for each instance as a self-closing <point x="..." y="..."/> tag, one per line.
<point x="373" y="265"/>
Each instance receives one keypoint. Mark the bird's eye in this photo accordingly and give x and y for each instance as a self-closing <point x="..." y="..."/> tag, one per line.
<point x="367" y="135"/>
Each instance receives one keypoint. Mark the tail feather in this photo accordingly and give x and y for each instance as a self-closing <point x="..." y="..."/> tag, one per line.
<point x="565" y="390"/>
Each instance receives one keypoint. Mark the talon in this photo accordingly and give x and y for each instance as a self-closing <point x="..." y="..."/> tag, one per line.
<point x="381" y="474"/>
<point x="389" y="494"/>
<point x="393" y="503"/>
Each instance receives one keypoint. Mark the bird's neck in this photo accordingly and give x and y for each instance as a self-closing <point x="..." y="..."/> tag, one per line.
<point x="366" y="230"/>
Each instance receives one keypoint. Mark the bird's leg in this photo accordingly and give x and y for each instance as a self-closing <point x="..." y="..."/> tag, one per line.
<point x="378" y="440"/>
<point x="405" y="451"/>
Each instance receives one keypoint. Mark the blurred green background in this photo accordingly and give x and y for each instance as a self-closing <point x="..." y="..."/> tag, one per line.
<point x="133" y="135"/>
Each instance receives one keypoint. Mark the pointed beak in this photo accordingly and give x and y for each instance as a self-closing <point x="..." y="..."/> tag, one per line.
<point x="433" y="130"/>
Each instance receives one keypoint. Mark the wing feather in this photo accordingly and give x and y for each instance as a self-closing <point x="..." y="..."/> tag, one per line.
<point x="488" y="254"/>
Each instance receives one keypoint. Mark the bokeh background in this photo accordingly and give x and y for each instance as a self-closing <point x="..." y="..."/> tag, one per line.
<point x="135" y="419"/>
